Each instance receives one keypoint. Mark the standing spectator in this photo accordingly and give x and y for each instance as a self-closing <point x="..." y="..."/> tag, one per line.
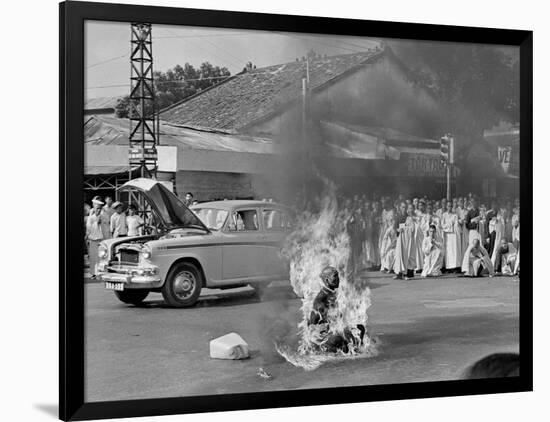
<point x="472" y="220"/>
<point x="451" y="239"/>
<point x="134" y="221"/>
<point x="461" y="213"/>
<point x="188" y="199"/>
<point x="490" y="222"/>
<point x="370" y="249"/>
<point x="356" y="229"/>
<point x="499" y="229"/>
<point x="405" y="250"/>
<point x="119" y="226"/>
<point x="387" y="217"/>
<point x="106" y="213"/>
<point x="94" y="236"/>
<point x="422" y="224"/>
<point x="387" y="246"/>
<point x="515" y="228"/>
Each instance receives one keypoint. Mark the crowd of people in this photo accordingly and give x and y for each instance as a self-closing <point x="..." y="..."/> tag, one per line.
<point x="106" y="220"/>
<point x="408" y="236"/>
<point x="403" y="236"/>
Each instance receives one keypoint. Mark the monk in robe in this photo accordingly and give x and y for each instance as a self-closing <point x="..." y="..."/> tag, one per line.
<point x="506" y="256"/>
<point x="421" y="227"/>
<point x="405" y="250"/>
<point x="476" y="259"/>
<point x="499" y="228"/>
<point x="472" y="221"/>
<point x="432" y="248"/>
<point x="387" y="249"/>
<point x="451" y="239"/>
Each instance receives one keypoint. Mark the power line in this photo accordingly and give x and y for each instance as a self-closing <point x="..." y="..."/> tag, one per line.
<point x="163" y="82"/>
<point x="107" y="60"/>
<point x="202" y="35"/>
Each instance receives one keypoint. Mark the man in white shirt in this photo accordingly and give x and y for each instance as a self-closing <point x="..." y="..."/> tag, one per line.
<point x="119" y="226"/>
<point x="94" y="236"/>
<point x="134" y="221"/>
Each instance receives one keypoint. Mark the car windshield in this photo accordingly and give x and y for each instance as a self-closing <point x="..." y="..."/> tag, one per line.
<point x="212" y="218"/>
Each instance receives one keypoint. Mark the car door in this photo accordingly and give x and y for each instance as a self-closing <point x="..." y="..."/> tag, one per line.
<point x="277" y="224"/>
<point x="243" y="253"/>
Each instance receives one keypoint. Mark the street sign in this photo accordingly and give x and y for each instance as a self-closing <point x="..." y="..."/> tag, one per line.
<point x="140" y="154"/>
<point x="505" y="157"/>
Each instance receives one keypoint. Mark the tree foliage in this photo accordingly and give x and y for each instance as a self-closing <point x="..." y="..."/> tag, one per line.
<point x="178" y="83"/>
<point x="476" y="85"/>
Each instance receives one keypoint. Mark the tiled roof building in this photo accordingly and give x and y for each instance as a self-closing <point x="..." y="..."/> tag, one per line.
<point x="247" y="98"/>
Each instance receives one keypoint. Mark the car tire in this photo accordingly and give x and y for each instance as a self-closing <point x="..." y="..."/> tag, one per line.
<point x="183" y="285"/>
<point x="132" y="297"/>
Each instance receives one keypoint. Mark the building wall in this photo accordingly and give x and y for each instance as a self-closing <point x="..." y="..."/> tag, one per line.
<point x="209" y="185"/>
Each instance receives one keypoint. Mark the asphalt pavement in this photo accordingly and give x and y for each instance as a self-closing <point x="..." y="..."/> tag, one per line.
<point x="427" y="330"/>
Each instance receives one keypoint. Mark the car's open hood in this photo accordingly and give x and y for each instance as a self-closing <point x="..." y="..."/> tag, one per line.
<point x="167" y="206"/>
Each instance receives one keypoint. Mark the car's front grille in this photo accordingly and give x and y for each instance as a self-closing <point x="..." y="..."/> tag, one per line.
<point x="128" y="256"/>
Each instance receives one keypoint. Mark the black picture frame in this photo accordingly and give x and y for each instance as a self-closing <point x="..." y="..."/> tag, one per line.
<point x="72" y="16"/>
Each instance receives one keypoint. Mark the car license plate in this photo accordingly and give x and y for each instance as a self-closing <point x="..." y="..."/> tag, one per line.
<point x="114" y="286"/>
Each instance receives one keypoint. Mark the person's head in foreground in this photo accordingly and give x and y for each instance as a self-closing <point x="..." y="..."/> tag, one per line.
<point x="329" y="277"/>
<point x="131" y="209"/>
<point x="475" y="244"/>
<point x="431" y="231"/>
<point x="410" y="210"/>
<point x="496" y="365"/>
<point x="188" y="197"/>
<point x="108" y="201"/>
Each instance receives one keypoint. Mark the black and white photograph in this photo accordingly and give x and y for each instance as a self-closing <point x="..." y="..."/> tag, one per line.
<point x="274" y="211"/>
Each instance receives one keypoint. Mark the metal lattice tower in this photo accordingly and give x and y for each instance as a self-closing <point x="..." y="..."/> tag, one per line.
<point x="144" y="127"/>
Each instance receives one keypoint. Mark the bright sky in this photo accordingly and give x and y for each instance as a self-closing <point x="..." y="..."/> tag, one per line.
<point x="107" y="50"/>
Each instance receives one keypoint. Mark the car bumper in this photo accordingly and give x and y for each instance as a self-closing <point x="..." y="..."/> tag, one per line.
<point x="131" y="281"/>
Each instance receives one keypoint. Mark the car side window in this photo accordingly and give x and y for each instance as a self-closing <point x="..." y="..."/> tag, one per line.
<point x="276" y="220"/>
<point x="244" y="220"/>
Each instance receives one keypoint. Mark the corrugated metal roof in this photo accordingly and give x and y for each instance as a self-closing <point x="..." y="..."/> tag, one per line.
<point x="108" y="130"/>
<point x="97" y="170"/>
<point x="100" y="103"/>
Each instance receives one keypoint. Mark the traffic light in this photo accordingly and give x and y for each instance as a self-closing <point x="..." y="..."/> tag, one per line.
<point x="446" y="149"/>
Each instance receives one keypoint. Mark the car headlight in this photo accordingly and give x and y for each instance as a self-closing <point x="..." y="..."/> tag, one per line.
<point x="146" y="252"/>
<point x="102" y="252"/>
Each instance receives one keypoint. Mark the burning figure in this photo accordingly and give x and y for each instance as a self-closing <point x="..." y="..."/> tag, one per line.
<point x="324" y="303"/>
<point x="334" y="306"/>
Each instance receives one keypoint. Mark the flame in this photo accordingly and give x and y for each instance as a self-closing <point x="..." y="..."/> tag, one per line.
<point x="321" y="239"/>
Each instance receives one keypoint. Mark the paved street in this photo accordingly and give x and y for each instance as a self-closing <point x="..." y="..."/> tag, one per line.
<point x="428" y="330"/>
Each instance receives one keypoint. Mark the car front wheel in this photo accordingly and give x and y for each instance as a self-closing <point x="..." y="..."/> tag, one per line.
<point x="183" y="285"/>
<point x="133" y="297"/>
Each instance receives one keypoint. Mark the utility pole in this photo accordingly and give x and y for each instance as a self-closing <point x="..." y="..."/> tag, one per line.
<point x="144" y="127"/>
